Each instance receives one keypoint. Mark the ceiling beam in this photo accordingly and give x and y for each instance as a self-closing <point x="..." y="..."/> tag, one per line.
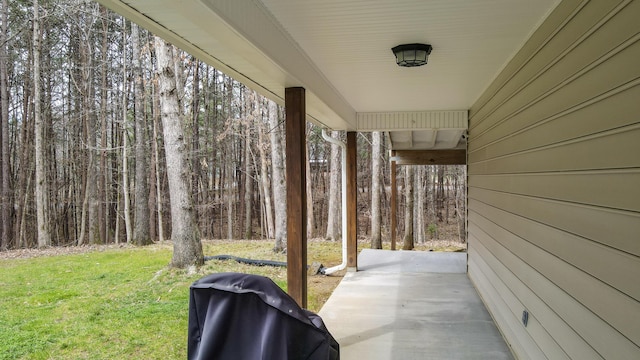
<point x="434" y="139"/>
<point x="430" y="157"/>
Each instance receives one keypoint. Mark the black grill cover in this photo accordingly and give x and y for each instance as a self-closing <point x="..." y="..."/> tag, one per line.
<point x="241" y="316"/>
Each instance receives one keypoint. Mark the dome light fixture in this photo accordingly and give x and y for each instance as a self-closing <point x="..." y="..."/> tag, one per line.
<point x="411" y="55"/>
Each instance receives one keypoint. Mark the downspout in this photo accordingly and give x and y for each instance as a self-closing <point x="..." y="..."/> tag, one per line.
<point x="343" y="146"/>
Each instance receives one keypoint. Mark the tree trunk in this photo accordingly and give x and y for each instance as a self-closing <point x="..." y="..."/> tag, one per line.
<point x="141" y="216"/>
<point x="376" y="176"/>
<point x="440" y="192"/>
<point x="311" y="223"/>
<point x="156" y="168"/>
<point x="23" y="188"/>
<point x="408" y="209"/>
<point x="42" y="188"/>
<point x="195" y="137"/>
<point x="434" y="198"/>
<point x="460" y="199"/>
<point x="278" y="176"/>
<point x="265" y="180"/>
<point x="126" y="208"/>
<point x="88" y="114"/>
<point x="446" y="195"/>
<point x="125" y="182"/>
<point x="195" y="125"/>
<point x="248" y="184"/>
<point x="231" y="195"/>
<point x="187" y="248"/>
<point x="249" y="119"/>
<point x="419" y="205"/>
<point x="103" y="208"/>
<point x="5" y="190"/>
<point x="333" y="219"/>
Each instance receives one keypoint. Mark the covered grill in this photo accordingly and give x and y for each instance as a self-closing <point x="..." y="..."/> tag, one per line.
<point x="241" y="316"/>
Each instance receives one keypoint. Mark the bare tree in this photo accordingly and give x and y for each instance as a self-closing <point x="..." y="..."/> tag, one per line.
<point x="126" y="208"/>
<point x="419" y="195"/>
<point x="408" y="209"/>
<point x="103" y="207"/>
<point x="439" y="192"/>
<point x="265" y="180"/>
<point x="279" y="188"/>
<point x="248" y="183"/>
<point x="376" y="178"/>
<point x="42" y="188"/>
<point x="195" y="132"/>
<point x="156" y="165"/>
<point x="187" y="248"/>
<point x="333" y="219"/>
<point x="5" y="190"/>
<point x="89" y="217"/>
<point x="311" y="223"/>
<point x="141" y="216"/>
<point x="459" y="197"/>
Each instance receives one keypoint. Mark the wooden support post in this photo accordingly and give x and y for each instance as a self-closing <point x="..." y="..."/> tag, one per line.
<point x="394" y="202"/>
<point x="352" y="201"/>
<point x="295" y="119"/>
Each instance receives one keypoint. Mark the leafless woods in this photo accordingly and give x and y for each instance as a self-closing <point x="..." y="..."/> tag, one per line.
<point x="85" y="156"/>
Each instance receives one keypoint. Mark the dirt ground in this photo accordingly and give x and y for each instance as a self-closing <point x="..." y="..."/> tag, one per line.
<point x="323" y="285"/>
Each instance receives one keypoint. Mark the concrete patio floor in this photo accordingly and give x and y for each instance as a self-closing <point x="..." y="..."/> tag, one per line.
<point x="411" y="305"/>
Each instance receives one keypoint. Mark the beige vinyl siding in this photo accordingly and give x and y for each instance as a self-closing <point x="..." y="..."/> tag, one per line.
<point x="616" y="229"/>
<point x="554" y="187"/>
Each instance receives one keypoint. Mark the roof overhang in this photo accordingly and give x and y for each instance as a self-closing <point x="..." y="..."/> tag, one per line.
<point x="340" y="52"/>
<point x="244" y="41"/>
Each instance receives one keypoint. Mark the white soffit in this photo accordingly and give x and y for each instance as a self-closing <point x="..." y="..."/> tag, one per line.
<point x="350" y="41"/>
<point x="243" y="40"/>
<point x="339" y="50"/>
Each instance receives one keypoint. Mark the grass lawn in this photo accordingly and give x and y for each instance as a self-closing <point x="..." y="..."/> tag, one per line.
<point x="121" y="303"/>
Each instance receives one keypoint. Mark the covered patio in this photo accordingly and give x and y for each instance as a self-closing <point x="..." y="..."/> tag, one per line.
<point x="411" y="305"/>
<point x="539" y="98"/>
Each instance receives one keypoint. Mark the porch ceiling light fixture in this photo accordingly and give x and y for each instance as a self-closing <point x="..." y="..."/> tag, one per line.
<point x="411" y="55"/>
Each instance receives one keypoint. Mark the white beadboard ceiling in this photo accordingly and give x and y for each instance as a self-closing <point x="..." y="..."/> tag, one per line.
<point x="340" y="51"/>
<point x="350" y="42"/>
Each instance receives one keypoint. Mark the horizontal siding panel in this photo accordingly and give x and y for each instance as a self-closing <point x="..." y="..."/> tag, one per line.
<point x="614" y="267"/>
<point x="611" y="228"/>
<point x="557" y="20"/>
<point x="585" y="119"/>
<point x="508" y="324"/>
<point x="616" y="149"/>
<point x="554" y="330"/>
<point x="570" y="36"/>
<point x="604" y="338"/>
<point x="612" y="189"/>
<point x="554" y="175"/>
<point x="561" y="15"/>
<point x="603" y="78"/>
<point x="617" y="309"/>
